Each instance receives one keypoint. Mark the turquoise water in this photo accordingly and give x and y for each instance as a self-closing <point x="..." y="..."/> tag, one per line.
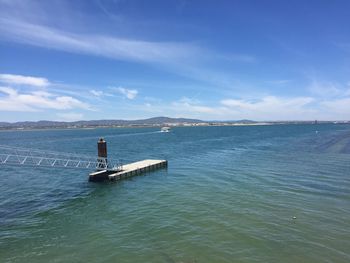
<point x="228" y="195"/>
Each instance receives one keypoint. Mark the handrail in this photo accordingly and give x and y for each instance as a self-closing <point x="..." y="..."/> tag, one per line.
<point x="22" y="156"/>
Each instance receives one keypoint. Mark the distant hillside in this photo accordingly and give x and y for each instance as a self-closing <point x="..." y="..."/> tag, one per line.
<point x="95" y="123"/>
<point x="244" y="121"/>
<point x="156" y="121"/>
<point x="163" y="120"/>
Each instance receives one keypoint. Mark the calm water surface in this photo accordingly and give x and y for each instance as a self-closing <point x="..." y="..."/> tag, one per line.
<point x="228" y="195"/>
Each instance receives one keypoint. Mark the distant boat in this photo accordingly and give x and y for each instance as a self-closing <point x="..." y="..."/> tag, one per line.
<point x="165" y="129"/>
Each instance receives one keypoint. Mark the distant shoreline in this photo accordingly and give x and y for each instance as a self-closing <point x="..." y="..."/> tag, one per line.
<point x="202" y="124"/>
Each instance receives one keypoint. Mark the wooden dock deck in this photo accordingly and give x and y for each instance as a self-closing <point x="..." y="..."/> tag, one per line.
<point x="128" y="170"/>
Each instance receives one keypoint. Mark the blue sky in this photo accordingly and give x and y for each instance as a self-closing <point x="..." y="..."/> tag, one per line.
<point x="212" y="60"/>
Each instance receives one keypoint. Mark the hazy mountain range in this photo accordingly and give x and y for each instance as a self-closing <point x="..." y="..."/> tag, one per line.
<point x="156" y="121"/>
<point x="96" y="123"/>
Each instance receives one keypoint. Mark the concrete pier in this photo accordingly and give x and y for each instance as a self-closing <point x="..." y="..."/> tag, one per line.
<point x="128" y="170"/>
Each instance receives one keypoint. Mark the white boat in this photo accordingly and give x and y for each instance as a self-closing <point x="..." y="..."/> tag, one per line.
<point x="165" y="129"/>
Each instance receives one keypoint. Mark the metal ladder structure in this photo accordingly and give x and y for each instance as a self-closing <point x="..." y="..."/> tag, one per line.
<point x="14" y="156"/>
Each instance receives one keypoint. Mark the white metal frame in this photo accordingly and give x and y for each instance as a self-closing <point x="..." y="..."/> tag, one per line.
<point x="14" y="156"/>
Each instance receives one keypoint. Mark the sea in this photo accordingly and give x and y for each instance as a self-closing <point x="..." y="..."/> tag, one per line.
<point x="269" y="193"/>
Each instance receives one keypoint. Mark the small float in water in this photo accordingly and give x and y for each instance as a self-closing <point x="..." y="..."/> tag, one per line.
<point x="165" y="129"/>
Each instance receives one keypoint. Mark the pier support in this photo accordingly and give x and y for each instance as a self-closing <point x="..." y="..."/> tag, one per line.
<point x="102" y="155"/>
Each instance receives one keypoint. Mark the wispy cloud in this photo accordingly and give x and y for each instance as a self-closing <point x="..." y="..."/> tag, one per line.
<point x="182" y="58"/>
<point x="127" y="93"/>
<point x="24" y="80"/>
<point x="191" y="105"/>
<point x="326" y="89"/>
<point x="14" y="100"/>
<point x="266" y="108"/>
<point x="99" y="45"/>
<point x="97" y="93"/>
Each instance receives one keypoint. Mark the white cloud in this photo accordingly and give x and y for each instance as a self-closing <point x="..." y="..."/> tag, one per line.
<point x="268" y="103"/>
<point x="187" y="100"/>
<point x="128" y="93"/>
<point x="97" y="93"/>
<point x="338" y="107"/>
<point x="267" y="108"/>
<point x="24" y="80"/>
<point x="271" y="108"/>
<point x="14" y="100"/>
<point x="193" y="105"/>
<point x="326" y="89"/>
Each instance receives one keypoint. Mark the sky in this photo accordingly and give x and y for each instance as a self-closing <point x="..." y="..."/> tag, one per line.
<point x="212" y="60"/>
